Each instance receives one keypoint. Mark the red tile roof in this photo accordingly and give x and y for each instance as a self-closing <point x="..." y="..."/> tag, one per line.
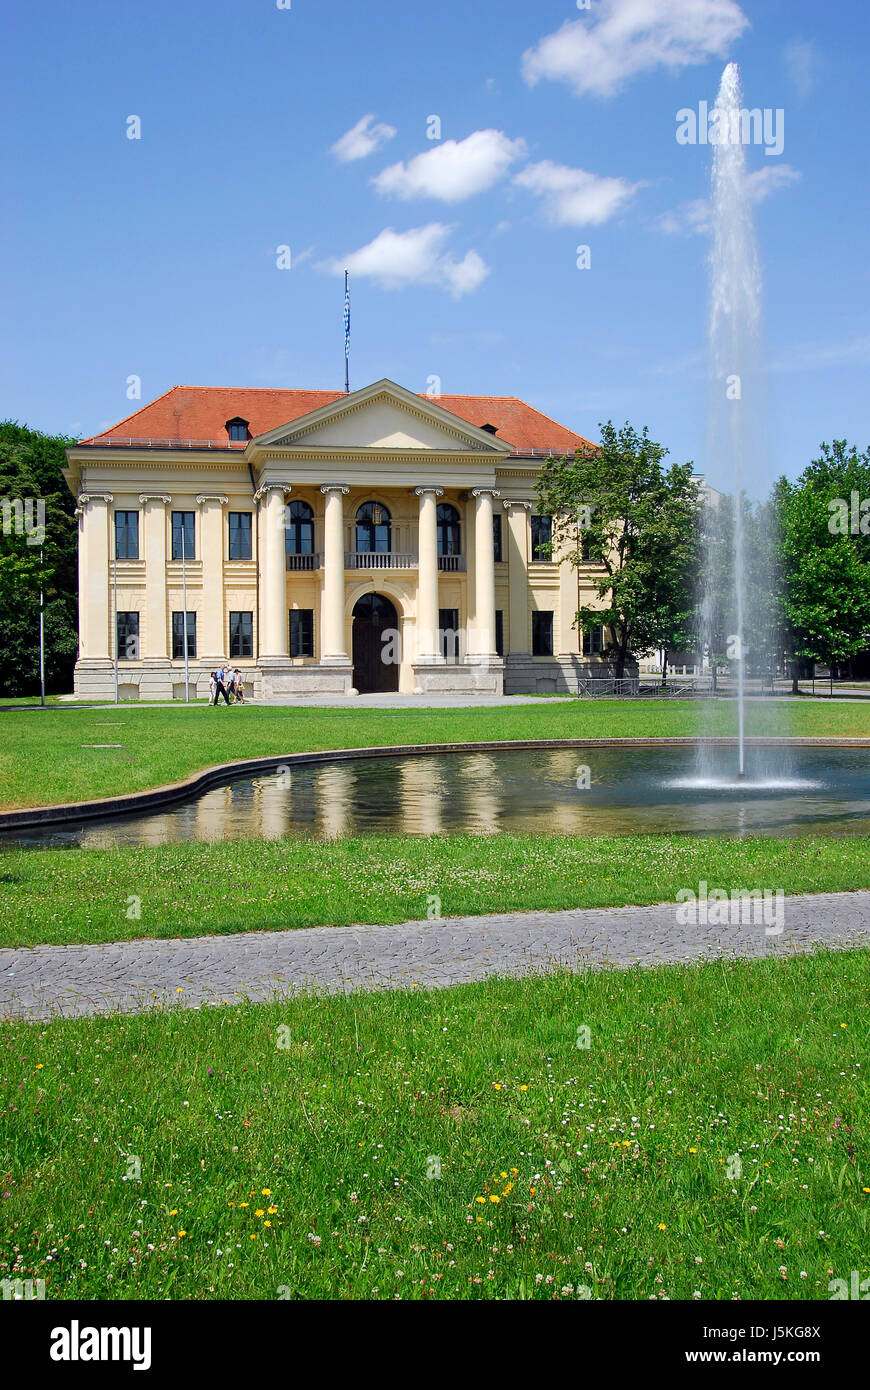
<point x="199" y="414"/>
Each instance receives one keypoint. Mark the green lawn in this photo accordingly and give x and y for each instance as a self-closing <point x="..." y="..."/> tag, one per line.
<point x="710" y="1140"/>
<point x="68" y="896"/>
<point x="43" y="759"/>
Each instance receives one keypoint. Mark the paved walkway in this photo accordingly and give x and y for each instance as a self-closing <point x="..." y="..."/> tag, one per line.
<point x="135" y="975"/>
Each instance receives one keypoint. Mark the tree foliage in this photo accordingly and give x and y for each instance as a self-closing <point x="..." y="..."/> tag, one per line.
<point x="31" y="466"/>
<point x="615" y="504"/>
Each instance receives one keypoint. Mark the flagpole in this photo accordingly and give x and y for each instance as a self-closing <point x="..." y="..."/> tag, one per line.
<point x="346" y="334"/>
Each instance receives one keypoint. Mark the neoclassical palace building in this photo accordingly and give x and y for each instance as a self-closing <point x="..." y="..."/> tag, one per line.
<point x="325" y="543"/>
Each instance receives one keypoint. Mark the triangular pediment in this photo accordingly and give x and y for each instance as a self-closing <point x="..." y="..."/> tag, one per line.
<point x="384" y="416"/>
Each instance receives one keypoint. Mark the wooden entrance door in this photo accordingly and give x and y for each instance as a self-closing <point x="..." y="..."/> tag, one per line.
<point x="372" y="616"/>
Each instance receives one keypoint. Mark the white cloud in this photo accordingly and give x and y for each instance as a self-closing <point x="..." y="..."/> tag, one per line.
<point x="573" y="197"/>
<point x="800" y="62"/>
<point x="454" y="170"/>
<point x="362" y="139"/>
<point x="622" y="38"/>
<point x="396" y="260"/>
<point x="697" y="215"/>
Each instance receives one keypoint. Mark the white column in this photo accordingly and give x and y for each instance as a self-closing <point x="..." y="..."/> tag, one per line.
<point x="156" y="644"/>
<point x="484" y="573"/>
<point x="518" y="577"/>
<point x="211" y="637"/>
<point x="568" y="643"/>
<point x="95" y="577"/>
<point x="333" y="651"/>
<point x="274" y="625"/>
<point x="427" y="575"/>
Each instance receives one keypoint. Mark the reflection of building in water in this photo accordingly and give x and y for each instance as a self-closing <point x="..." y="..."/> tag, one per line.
<point x="213" y="815"/>
<point x="481" y="792"/>
<point x="334" y="800"/>
<point x="271" y="807"/>
<point x="422" y="785"/>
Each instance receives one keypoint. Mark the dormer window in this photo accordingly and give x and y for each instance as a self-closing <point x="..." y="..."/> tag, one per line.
<point x="490" y="429"/>
<point x="238" y="431"/>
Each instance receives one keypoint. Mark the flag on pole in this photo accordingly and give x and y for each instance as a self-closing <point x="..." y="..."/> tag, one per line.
<point x="346" y="333"/>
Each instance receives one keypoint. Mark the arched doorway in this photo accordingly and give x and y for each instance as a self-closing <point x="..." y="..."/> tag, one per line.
<point x="376" y="643"/>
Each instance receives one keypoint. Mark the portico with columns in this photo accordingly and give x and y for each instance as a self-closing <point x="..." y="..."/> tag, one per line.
<point x="379" y="540"/>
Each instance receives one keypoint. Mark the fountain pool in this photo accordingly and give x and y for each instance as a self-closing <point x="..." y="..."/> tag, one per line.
<point x="593" y="790"/>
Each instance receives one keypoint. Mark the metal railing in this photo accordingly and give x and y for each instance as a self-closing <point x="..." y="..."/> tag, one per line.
<point x="302" y="562"/>
<point x="167" y="442"/>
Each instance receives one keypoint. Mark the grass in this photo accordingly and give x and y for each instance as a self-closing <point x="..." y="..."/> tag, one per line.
<point x="72" y="896"/>
<point x="455" y="1144"/>
<point x="45" y="757"/>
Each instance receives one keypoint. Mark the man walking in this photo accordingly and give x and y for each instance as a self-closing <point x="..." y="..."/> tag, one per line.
<point x="219" y="686"/>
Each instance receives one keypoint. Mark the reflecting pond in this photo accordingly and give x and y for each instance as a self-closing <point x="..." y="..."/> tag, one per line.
<point x="579" y="791"/>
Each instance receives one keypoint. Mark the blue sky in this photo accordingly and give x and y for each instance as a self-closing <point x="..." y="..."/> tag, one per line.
<point x="157" y="257"/>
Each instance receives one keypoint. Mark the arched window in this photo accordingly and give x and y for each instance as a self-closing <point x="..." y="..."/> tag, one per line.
<point x="373" y="529"/>
<point x="298" y="529"/>
<point x="449" y="535"/>
<point x="237" y="429"/>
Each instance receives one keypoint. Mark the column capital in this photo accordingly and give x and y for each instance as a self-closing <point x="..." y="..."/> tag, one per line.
<point x="512" y="502"/>
<point x="485" y="492"/>
<point x="335" y="487"/>
<point x="428" y="487"/>
<point x="269" y="487"/>
<point x="85" y="497"/>
<point x="155" y="497"/>
<point x="211" y="497"/>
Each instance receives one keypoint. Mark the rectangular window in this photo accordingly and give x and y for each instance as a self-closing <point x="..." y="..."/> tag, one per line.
<point x="499" y="632"/>
<point x="126" y="535"/>
<point x="542" y="634"/>
<point x="183" y="535"/>
<point x="448" y="627"/>
<point x="496" y="537"/>
<point x="302" y="632"/>
<point x="240" y="535"/>
<point x="542" y="535"/>
<point x="127" y="636"/>
<point x="241" y="634"/>
<point x="178" y="635"/>
<point x="593" y="641"/>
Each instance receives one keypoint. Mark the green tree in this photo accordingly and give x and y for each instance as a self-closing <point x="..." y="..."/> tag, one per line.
<point x="31" y="466"/>
<point x="615" y="503"/>
<point x="826" y="572"/>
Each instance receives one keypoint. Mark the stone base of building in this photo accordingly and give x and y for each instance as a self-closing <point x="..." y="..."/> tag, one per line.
<point x="553" y="675"/>
<point x="460" y="678"/>
<point x="156" y="680"/>
<point x="276" y="678"/>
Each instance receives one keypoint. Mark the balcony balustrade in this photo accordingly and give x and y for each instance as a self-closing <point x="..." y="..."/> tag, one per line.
<point x="303" y="562"/>
<point x="379" y="560"/>
<point x="376" y="560"/>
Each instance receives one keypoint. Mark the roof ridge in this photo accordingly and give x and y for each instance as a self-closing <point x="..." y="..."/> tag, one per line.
<point x="298" y="390"/>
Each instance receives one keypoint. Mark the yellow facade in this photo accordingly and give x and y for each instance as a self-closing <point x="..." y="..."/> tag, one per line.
<point x="384" y="446"/>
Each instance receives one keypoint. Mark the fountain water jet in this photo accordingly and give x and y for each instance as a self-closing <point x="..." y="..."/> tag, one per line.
<point x="734" y="332"/>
